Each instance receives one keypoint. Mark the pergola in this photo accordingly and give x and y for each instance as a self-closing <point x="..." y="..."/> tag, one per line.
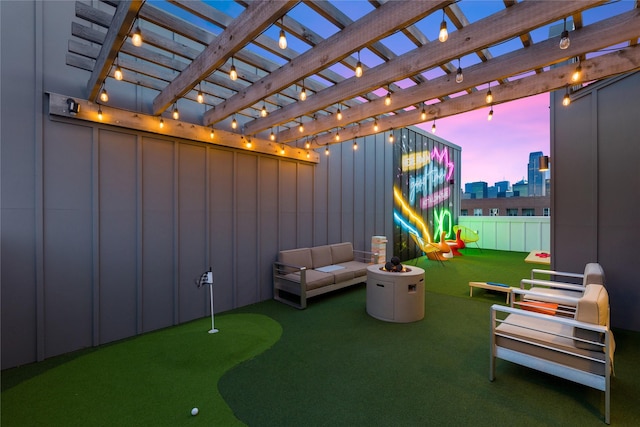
<point x="189" y="48"/>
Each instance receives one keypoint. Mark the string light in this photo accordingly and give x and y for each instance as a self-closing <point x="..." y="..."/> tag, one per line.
<point x="391" y="137"/>
<point x="375" y="125"/>
<point x="234" y="123"/>
<point x="566" y="100"/>
<point x="459" y="76"/>
<point x="175" y="114"/>
<point x="118" y="72"/>
<point x="489" y="97"/>
<point x="211" y="134"/>
<point x="308" y="155"/>
<point x="339" y="114"/>
<point x="282" y="149"/>
<point x="301" y="126"/>
<point x="104" y="96"/>
<point x="359" y="67"/>
<point x="326" y="151"/>
<point x="161" y="123"/>
<point x="200" y="95"/>
<point x="303" y="92"/>
<point x="490" y="116"/>
<point x="577" y="73"/>
<point x="387" y="99"/>
<point x="355" y="145"/>
<point x="444" y="34"/>
<point x="282" y="40"/>
<point x="248" y="142"/>
<point x="136" y="38"/>
<point x="564" y="37"/>
<point x="423" y="114"/>
<point x="433" y="126"/>
<point x="264" y="112"/>
<point x="307" y="144"/>
<point x="272" y="136"/>
<point x="99" y="113"/>
<point x="337" y="135"/>
<point x="233" y="74"/>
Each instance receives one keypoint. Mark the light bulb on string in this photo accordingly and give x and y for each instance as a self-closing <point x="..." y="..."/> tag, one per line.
<point x="303" y="92"/>
<point x="263" y="111"/>
<point x="175" y="114"/>
<point x="136" y="38"/>
<point x="359" y="67"/>
<point x="376" y="128"/>
<point x="433" y="126"/>
<point x="282" y="40"/>
<point x="423" y="114"/>
<point x="566" y="99"/>
<point x="489" y="97"/>
<point x="459" y="76"/>
<point x="564" y="37"/>
<point x="233" y="74"/>
<point x="355" y="144"/>
<point x="387" y="99"/>
<point x="577" y="73"/>
<point x="234" y="123"/>
<point x="200" y="97"/>
<point x="391" y="137"/>
<point x="490" y="116"/>
<point x="444" y="34"/>
<point x="272" y="136"/>
<point x="339" y="114"/>
<point x="212" y="134"/>
<point x="118" y="72"/>
<point x="100" y="113"/>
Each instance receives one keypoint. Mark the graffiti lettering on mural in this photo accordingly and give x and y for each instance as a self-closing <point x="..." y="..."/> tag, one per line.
<point x="413" y="161"/>
<point x="433" y="199"/>
<point x="443" y="222"/>
<point x="432" y="176"/>
<point x="443" y="158"/>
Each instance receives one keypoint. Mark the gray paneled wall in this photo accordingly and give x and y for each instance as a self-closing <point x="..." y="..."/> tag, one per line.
<point x="131" y="219"/>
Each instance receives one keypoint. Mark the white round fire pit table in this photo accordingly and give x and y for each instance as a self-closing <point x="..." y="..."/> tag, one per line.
<point x="395" y="296"/>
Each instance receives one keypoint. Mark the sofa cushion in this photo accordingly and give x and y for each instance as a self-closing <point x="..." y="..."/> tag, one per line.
<point x="298" y="257"/>
<point x="358" y="268"/>
<point x="592" y="308"/>
<point x="593" y="273"/>
<point x="321" y="256"/>
<point x="315" y="279"/>
<point x="341" y="252"/>
<point x="342" y="275"/>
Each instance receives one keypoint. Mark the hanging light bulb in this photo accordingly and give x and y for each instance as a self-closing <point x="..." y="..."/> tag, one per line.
<point x="264" y="112"/>
<point x="161" y="123"/>
<point x="490" y="116"/>
<point x="566" y="99"/>
<point x="391" y="137"/>
<point x="200" y="95"/>
<point x="577" y="73"/>
<point x="387" y="99"/>
<point x="355" y="145"/>
<point x="433" y="126"/>
<point x="301" y="127"/>
<point x="282" y="40"/>
<point x="104" y="96"/>
<point x="248" y="142"/>
<point x="459" y="76"/>
<point x="118" y="72"/>
<point x="307" y="144"/>
<point x="282" y="149"/>
<point x="359" y="67"/>
<point x="489" y="97"/>
<point x="233" y="74"/>
<point x="272" y="136"/>
<point x="337" y="135"/>
<point x="564" y="37"/>
<point x="303" y="92"/>
<point x="175" y="114"/>
<point x="99" y="113"/>
<point x="376" y="128"/>
<point x="423" y="114"/>
<point x="326" y="151"/>
<point x="444" y="34"/>
<point x="136" y="38"/>
<point x="234" y="123"/>
<point x="339" y="114"/>
<point x="308" y="155"/>
<point x="211" y="134"/>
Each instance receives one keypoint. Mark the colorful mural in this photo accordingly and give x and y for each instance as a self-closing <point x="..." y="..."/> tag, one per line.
<point x="424" y="191"/>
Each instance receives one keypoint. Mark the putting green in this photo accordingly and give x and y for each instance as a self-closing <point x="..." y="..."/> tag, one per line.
<point x="154" y="379"/>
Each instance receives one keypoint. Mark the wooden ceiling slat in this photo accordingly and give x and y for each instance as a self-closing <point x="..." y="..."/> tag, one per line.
<point x="375" y="25"/>
<point x="591" y="38"/>
<point x="500" y="26"/>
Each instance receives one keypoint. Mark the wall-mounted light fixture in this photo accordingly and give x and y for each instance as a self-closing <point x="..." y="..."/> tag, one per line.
<point x="73" y="106"/>
<point x="543" y="163"/>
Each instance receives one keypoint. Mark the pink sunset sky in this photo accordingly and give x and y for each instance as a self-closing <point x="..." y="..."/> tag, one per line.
<point x="498" y="150"/>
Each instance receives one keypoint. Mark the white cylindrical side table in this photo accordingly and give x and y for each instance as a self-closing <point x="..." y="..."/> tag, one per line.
<point x="395" y="297"/>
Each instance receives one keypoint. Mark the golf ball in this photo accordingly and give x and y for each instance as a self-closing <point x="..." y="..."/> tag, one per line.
<point x="194" y="411"/>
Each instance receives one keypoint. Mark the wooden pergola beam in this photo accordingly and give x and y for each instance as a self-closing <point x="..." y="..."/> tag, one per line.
<point x="123" y="19"/>
<point x="600" y="67"/>
<point x="373" y="26"/>
<point x="253" y="21"/>
<point x="503" y="25"/>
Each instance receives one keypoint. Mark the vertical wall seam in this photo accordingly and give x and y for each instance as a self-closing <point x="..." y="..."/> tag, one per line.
<point x="176" y="232"/>
<point x="139" y="235"/>
<point x="39" y="182"/>
<point x="95" y="189"/>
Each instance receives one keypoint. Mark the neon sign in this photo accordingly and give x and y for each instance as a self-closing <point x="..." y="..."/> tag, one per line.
<point x="431" y="176"/>
<point x="413" y="161"/>
<point x="415" y="218"/>
<point x="443" y="157"/>
<point x="433" y="199"/>
<point x="443" y="221"/>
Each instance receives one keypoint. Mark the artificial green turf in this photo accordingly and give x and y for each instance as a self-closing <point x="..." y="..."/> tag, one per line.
<point x="330" y="364"/>
<point x="154" y="379"/>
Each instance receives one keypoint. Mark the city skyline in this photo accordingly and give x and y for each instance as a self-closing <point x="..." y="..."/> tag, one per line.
<point x="498" y="150"/>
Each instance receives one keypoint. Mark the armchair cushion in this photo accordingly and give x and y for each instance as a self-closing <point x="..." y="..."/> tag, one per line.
<point x="593" y="308"/>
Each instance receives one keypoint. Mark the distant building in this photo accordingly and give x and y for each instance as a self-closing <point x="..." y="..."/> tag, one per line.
<point x="536" y="179"/>
<point x="506" y="206"/>
<point x="475" y="190"/>
<point x="521" y="189"/>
